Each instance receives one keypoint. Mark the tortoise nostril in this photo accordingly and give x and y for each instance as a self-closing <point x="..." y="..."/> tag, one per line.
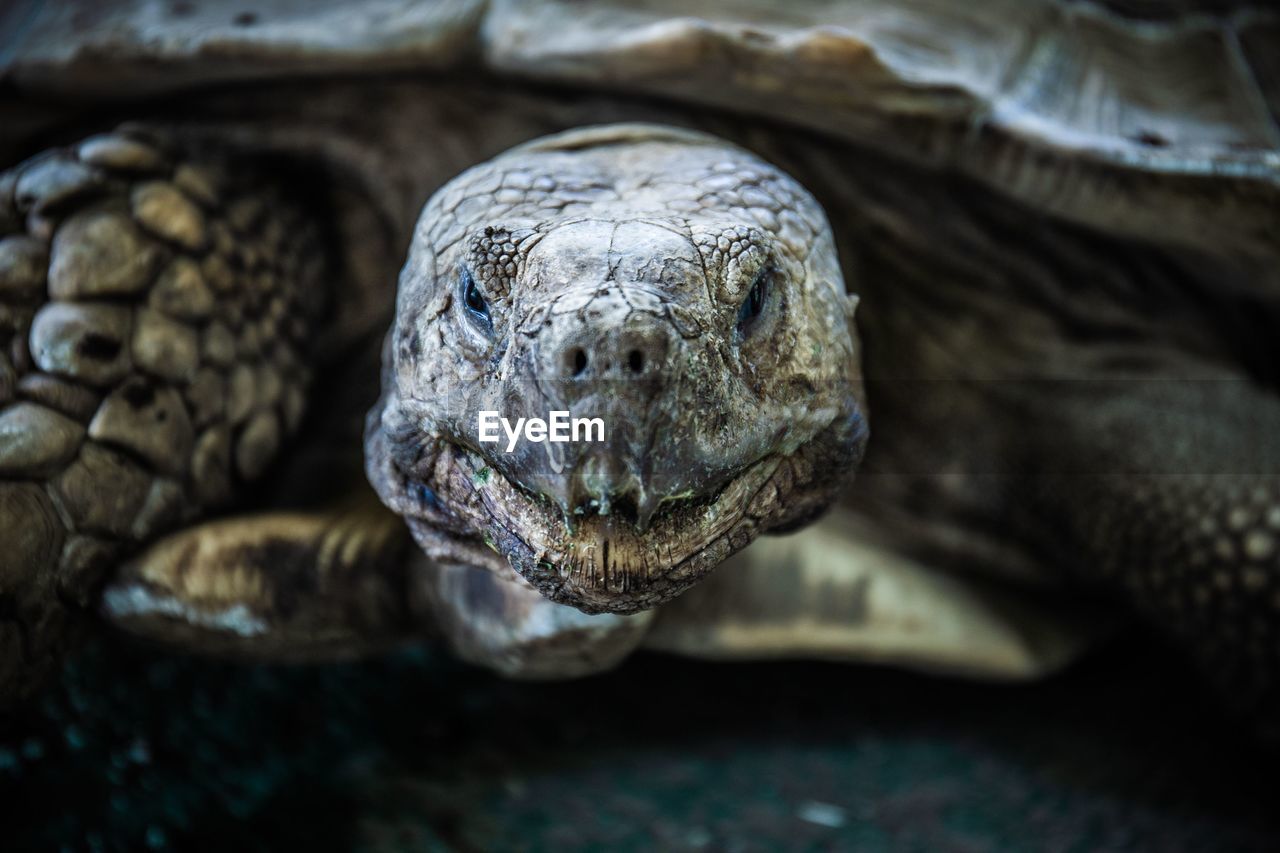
<point x="577" y="361"/>
<point x="635" y="361"/>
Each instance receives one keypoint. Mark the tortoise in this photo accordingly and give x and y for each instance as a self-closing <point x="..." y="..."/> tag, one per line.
<point x="1034" y="244"/>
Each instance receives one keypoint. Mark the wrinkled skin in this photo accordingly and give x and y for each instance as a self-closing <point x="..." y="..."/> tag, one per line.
<point x="678" y="288"/>
<point x="975" y="473"/>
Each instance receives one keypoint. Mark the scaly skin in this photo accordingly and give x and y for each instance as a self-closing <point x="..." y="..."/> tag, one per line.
<point x="965" y="292"/>
<point x="156" y="313"/>
<point x="1054" y="403"/>
<point x="611" y="267"/>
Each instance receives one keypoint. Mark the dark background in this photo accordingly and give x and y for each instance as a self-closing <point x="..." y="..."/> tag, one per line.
<point x="135" y="749"/>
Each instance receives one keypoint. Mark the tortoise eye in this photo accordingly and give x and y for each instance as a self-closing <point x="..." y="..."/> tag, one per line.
<point x="474" y="302"/>
<point x="753" y="306"/>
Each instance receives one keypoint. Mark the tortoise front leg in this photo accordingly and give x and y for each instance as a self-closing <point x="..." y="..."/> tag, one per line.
<point x="156" y="313"/>
<point x="1167" y="491"/>
<point x="343" y="581"/>
<point x="286" y="586"/>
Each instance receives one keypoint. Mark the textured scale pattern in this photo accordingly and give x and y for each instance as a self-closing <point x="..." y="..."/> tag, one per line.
<point x="653" y="238"/>
<point x="1200" y="556"/>
<point x="154" y="316"/>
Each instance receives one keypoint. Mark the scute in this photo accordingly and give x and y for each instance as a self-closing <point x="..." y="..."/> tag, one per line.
<point x="1173" y="113"/>
<point x="1178" y="112"/>
<point x="837" y="591"/>
<point x="118" y="48"/>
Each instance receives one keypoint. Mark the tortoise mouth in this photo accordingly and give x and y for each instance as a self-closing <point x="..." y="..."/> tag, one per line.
<point x="606" y="562"/>
<point x="463" y="509"/>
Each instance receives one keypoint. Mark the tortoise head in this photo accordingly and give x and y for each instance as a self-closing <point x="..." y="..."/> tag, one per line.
<point x="619" y="355"/>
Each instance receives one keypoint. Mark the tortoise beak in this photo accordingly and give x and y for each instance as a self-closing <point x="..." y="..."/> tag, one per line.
<point x="607" y="484"/>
